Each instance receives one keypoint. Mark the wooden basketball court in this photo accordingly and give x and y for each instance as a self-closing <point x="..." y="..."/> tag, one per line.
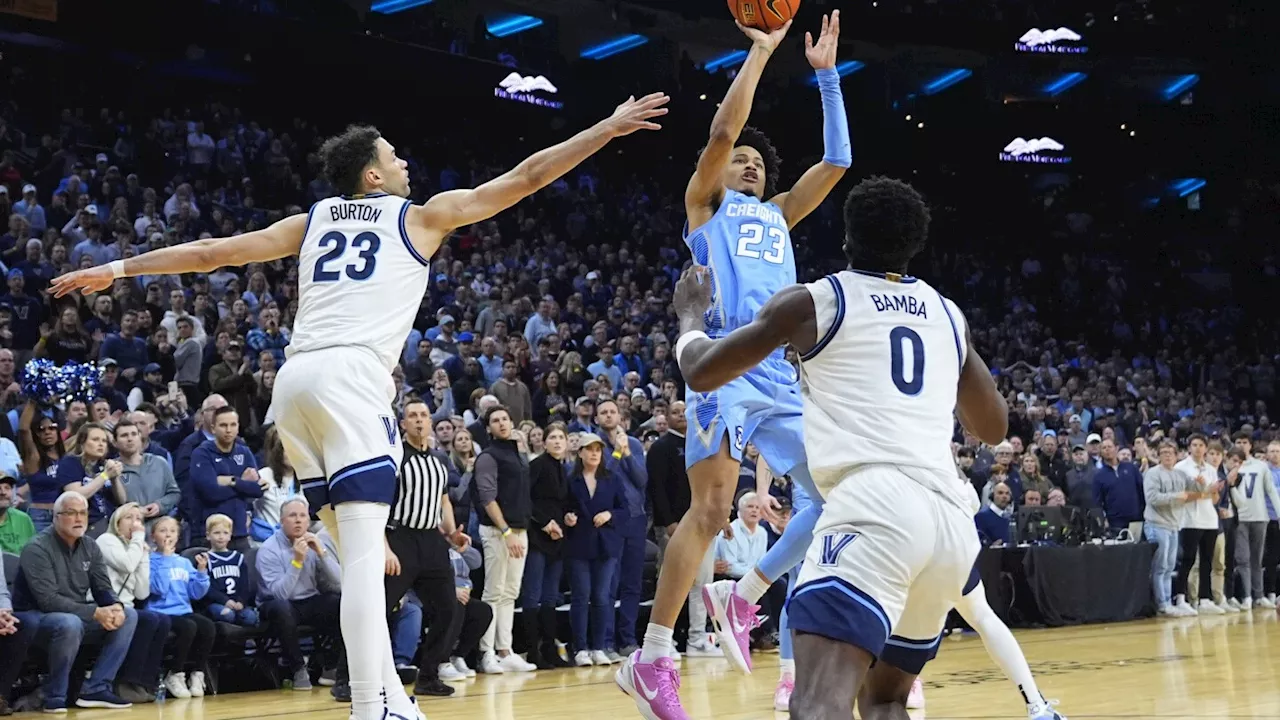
<point x="1185" y="668"/>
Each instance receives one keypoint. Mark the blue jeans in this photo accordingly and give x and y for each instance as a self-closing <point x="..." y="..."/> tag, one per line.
<point x="40" y="517"/>
<point x="591" y="585"/>
<point x="1165" y="563"/>
<point x="406" y="631"/>
<point x="540" y="585"/>
<point x="62" y="635"/>
<point x="13" y="649"/>
<point x="146" y="650"/>
<point x="247" y="616"/>
<point x="627" y="582"/>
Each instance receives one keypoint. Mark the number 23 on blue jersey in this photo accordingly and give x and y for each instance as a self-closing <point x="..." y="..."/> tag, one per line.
<point x="361" y="266"/>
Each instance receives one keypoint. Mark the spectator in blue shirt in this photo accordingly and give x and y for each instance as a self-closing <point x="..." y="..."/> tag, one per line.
<point x="28" y="312"/>
<point x="540" y="324"/>
<point x="268" y="336"/>
<point x="625" y="462"/>
<point x="30" y="209"/>
<point x="126" y="348"/>
<point x="490" y="361"/>
<point x="225" y="478"/>
<point x="607" y="366"/>
<point x="1117" y="489"/>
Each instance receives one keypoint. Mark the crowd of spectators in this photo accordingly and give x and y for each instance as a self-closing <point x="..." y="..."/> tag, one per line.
<point x="543" y="356"/>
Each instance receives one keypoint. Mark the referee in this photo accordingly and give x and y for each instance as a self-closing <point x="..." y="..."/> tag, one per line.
<point x="420" y="530"/>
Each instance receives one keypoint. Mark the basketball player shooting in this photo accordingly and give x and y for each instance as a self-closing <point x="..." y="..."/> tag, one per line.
<point x="739" y="226"/>
<point x="885" y="362"/>
<point x="363" y="267"/>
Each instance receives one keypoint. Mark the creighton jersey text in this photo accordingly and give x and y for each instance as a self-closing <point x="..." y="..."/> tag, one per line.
<point x="880" y="384"/>
<point x="747" y="246"/>
<point x="360" y="280"/>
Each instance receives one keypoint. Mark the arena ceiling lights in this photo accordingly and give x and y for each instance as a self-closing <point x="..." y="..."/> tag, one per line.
<point x="946" y="80"/>
<point x="1063" y="83"/>
<point x="1186" y="186"/>
<point x="845" y="69"/>
<point x="1180" y="85"/>
<point x="716" y="64"/>
<point x="616" y="46"/>
<point x="507" y="25"/>
<point x="390" y="7"/>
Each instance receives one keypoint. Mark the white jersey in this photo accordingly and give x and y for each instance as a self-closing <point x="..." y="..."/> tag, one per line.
<point x="360" y="280"/>
<point x="880" y="384"/>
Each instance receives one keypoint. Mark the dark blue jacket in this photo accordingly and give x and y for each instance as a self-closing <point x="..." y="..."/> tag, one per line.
<point x="1118" y="492"/>
<point x="633" y="475"/>
<point x="585" y="541"/>
<point x="182" y="473"/>
<point x="992" y="526"/>
<point x="207" y="463"/>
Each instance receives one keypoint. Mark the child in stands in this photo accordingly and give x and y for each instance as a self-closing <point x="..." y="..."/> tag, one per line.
<point x="231" y="585"/>
<point x="175" y="582"/>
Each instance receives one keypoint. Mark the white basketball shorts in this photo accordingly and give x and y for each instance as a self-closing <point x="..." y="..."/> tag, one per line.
<point x="333" y="411"/>
<point x="889" y="559"/>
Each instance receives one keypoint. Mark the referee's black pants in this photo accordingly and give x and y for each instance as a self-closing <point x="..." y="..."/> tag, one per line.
<point x="425" y="568"/>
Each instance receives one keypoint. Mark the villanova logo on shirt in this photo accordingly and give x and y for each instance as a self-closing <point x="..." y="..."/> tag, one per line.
<point x="389" y="425"/>
<point x="238" y="458"/>
<point x="832" y="546"/>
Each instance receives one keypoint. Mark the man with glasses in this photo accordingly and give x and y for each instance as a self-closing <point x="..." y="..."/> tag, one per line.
<point x="58" y="570"/>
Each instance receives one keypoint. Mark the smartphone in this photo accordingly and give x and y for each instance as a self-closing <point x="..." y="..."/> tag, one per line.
<point x="173" y="388"/>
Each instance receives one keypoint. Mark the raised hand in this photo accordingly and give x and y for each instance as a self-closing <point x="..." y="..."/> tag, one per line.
<point x="89" y="281"/>
<point x="760" y="38"/>
<point x="822" y="55"/>
<point x="634" y="114"/>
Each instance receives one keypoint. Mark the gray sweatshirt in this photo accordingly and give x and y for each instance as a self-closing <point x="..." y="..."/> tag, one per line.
<point x="1252" y="490"/>
<point x="280" y="579"/>
<point x="1162" y="488"/>
<point x="152" y="481"/>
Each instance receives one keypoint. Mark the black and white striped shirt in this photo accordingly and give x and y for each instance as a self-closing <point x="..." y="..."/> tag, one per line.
<point x="424" y="480"/>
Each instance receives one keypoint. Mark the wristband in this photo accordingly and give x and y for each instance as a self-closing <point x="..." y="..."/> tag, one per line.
<point x="506" y="532"/>
<point x="117" y="269"/>
<point x="684" y="341"/>
<point x="296" y="564"/>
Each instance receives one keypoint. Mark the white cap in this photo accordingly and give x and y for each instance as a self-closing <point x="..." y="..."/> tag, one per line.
<point x="1093" y="438"/>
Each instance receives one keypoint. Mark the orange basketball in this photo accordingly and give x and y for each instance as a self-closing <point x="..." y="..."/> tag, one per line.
<point x="767" y="15"/>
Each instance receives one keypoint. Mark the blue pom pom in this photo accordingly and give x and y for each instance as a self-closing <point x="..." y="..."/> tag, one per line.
<point x="51" y="384"/>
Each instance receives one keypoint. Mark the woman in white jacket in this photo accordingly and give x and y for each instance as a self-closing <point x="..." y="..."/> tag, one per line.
<point x="281" y="486"/>
<point x="128" y="558"/>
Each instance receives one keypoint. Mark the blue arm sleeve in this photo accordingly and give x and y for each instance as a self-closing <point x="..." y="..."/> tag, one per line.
<point x="837" y="150"/>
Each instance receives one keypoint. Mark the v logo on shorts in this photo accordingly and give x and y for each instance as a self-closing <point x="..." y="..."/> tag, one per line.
<point x="389" y="424"/>
<point x="833" y="545"/>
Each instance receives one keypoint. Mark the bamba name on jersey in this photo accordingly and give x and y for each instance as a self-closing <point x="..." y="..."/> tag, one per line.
<point x="900" y="303"/>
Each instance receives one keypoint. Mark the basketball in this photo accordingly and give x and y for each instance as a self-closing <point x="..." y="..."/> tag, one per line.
<point x="766" y="15"/>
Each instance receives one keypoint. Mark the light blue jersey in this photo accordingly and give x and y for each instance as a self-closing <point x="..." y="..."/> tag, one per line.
<point x="747" y="247"/>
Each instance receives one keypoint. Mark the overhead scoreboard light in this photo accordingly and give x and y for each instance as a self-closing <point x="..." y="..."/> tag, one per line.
<point x="716" y="64"/>
<point x="1063" y="83"/>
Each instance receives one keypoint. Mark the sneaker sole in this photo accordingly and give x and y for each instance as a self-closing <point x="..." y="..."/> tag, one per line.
<point x="728" y="643"/>
<point x="102" y="704"/>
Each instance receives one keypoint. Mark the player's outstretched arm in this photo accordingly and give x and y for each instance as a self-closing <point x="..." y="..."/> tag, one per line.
<point x="281" y="239"/>
<point x="818" y="181"/>
<point x="706" y="187"/>
<point x="707" y="364"/>
<point x="982" y="409"/>
<point x="456" y="208"/>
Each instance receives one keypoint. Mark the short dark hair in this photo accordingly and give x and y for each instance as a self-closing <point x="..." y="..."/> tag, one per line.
<point x="488" y="416"/>
<point x="1237" y="453"/>
<point x="753" y="138"/>
<point x="223" y="411"/>
<point x="346" y="156"/>
<point x="886" y="224"/>
<point x="1242" y="435"/>
<point x="121" y="424"/>
<point x="1197" y="436"/>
